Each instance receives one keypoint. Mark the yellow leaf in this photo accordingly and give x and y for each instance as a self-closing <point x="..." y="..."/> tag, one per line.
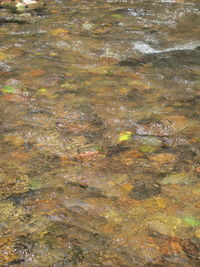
<point x="125" y="136"/>
<point x="43" y="91"/>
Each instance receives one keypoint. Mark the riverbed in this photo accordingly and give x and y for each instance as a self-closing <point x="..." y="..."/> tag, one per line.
<point x="100" y="123"/>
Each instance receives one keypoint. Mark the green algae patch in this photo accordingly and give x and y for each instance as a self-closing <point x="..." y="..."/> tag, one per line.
<point x="166" y="225"/>
<point x="191" y="221"/>
<point x="117" y="16"/>
<point x="151" y="141"/>
<point x="42" y="91"/>
<point x="147" y="149"/>
<point x="8" y="89"/>
<point x="35" y="185"/>
<point x="179" y="178"/>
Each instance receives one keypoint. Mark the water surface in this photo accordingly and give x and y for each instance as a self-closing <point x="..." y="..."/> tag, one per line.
<point x="100" y="161"/>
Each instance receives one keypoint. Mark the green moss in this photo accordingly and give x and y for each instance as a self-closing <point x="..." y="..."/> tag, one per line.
<point x="147" y="149"/>
<point x="191" y="221"/>
<point x="8" y="89"/>
<point x="34" y="185"/>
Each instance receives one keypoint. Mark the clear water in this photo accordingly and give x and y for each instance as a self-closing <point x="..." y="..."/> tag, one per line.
<point x="100" y="162"/>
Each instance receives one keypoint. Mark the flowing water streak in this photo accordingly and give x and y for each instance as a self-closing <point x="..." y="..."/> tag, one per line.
<point x="147" y="49"/>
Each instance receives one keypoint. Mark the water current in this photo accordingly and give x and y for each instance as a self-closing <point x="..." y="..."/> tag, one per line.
<point x="100" y="133"/>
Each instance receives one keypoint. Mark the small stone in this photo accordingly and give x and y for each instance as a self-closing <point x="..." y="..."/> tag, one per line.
<point x="197" y="233"/>
<point x="165" y="225"/>
<point x="179" y="178"/>
<point x="147" y="149"/>
<point x="59" y="31"/>
<point x="143" y="190"/>
<point x="13" y="86"/>
<point x="151" y="141"/>
<point x="163" y="158"/>
<point x="3" y="56"/>
<point x="88" y="26"/>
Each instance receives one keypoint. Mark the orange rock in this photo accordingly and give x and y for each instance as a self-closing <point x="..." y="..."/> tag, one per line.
<point x="175" y="122"/>
<point x="163" y="158"/>
<point x="34" y="73"/>
<point x="19" y="156"/>
<point x="90" y="155"/>
<point x="54" y="11"/>
<point x="133" y="153"/>
<point x="59" y="31"/>
<point x="15" y="140"/>
<point x="197" y="169"/>
<point x="128" y="157"/>
<point x="127" y="187"/>
<point x="66" y="161"/>
<point x="176" y="247"/>
<point x="15" y="98"/>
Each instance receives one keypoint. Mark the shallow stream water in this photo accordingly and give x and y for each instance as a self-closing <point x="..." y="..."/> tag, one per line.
<point x="100" y="134"/>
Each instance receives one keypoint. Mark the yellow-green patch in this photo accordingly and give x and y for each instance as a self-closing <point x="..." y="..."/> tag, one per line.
<point x="125" y="136"/>
<point x="147" y="149"/>
<point x="191" y="221"/>
<point x="8" y="90"/>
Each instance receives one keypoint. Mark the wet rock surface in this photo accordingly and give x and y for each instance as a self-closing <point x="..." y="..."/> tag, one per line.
<point x="99" y="136"/>
<point x="143" y="190"/>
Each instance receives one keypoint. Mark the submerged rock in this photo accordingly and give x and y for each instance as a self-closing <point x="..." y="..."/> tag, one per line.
<point x="179" y="178"/>
<point x="143" y="190"/>
<point x="14" y="90"/>
<point x="165" y="225"/>
<point x="28" y="3"/>
<point x="151" y="141"/>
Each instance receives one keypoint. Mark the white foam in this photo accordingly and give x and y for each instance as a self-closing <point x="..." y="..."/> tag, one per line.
<point x="187" y="46"/>
<point x="147" y="49"/>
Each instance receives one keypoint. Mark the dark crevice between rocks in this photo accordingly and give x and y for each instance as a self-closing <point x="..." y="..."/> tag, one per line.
<point x="115" y="150"/>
